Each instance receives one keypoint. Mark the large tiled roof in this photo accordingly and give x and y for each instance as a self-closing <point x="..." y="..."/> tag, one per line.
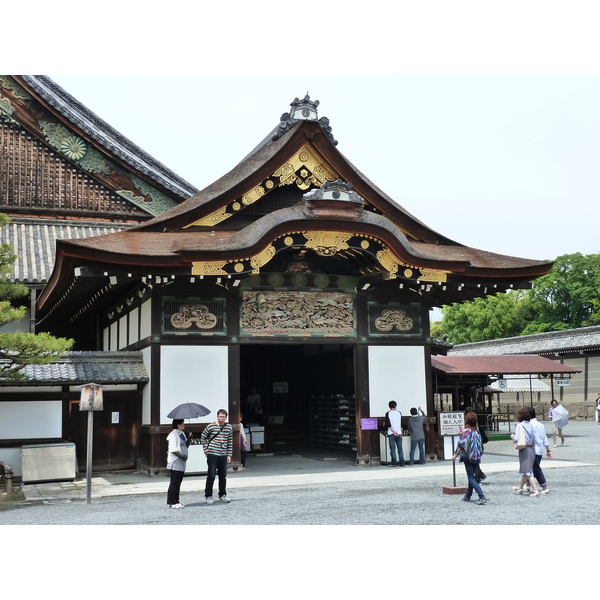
<point x="79" y="368"/>
<point x="34" y="243"/>
<point x="105" y="135"/>
<point x="583" y="339"/>
<point x="498" y="365"/>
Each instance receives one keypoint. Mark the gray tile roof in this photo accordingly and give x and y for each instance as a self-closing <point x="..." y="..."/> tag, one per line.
<point x="34" y="243"/>
<point x="78" y="368"/>
<point x="583" y="339"/>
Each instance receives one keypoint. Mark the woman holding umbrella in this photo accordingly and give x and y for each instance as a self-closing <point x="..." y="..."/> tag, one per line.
<point x="177" y="456"/>
<point x="556" y="430"/>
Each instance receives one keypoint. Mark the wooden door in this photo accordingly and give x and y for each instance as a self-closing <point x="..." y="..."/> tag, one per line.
<point x="115" y="438"/>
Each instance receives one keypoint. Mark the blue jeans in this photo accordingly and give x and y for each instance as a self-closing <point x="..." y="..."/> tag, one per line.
<point x="413" y="447"/>
<point x="217" y="465"/>
<point x="537" y="470"/>
<point x="473" y="485"/>
<point x="396" y="442"/>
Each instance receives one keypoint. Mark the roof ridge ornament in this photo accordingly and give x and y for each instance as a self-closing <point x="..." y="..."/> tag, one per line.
<point x="335" y="190"/>
<point x="303" y="110"/>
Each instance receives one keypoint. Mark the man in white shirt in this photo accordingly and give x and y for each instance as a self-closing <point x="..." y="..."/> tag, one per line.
<point x="395" y="434"/>
<point x="540" y="440"/>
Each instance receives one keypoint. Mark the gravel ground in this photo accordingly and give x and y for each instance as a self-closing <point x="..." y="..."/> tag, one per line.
<point x="406" y="500"/>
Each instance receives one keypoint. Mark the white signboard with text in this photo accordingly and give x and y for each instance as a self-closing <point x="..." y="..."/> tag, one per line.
<point x="452" y="423"/>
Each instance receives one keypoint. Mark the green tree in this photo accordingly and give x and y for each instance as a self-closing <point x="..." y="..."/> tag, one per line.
<point x="20" y="349"/>
<point x="568" y="297"/>
<point x="493" y="317"/>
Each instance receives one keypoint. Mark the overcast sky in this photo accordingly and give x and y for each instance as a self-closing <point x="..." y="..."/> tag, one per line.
<point x="507" y="164"/>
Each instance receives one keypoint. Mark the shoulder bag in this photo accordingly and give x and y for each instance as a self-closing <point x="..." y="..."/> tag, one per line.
<point x="521" y="442"/>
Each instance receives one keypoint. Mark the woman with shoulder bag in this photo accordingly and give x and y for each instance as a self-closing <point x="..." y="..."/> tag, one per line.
<point x="469" y="447"/>
<point x="526" y="454"/>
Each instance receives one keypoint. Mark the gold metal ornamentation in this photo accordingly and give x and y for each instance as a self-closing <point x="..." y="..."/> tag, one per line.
<point x="211" y="267"/>
<point x="315" y="173"/>
<point x="253" y="195"/>
<point x="288" y="240"/>
<point x="364" y="244"/>
<point x="262" y="258"/>
<point x="408" y="273"/>
<point x="393" y="318"/>
<point x="195" y="313"/>
<point x="388" y="261"/>
<point x="327" y="243"/>
<point x="214" y="218"/>
<point x="432" y="275"/>
<point x="238" y="268"/>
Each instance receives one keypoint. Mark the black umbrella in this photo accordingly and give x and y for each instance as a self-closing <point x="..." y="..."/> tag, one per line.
<point x="188" y="410"/>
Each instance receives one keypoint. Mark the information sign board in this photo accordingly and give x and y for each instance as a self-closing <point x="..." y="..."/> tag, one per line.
<point x="369" y="423"/>
<point x="452" y="423"/>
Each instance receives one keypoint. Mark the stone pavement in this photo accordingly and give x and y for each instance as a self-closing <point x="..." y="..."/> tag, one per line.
<point x="582" y="449"/>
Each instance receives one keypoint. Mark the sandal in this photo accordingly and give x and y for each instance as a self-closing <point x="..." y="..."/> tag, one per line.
<point x="535" y="495"/>
<point x="518" y="490"/>
<point x="546" y="491"/>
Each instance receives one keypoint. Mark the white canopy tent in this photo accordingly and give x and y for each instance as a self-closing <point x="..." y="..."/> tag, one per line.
<point x="519" y="383"/>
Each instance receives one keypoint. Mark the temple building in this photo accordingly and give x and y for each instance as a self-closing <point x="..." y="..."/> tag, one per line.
<point x="292" y="280"/>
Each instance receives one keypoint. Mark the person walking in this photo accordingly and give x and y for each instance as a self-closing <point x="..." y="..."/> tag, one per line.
<point x="540" y="442"/>
<point x="526" y="454"/>
<point x="394" y="418"/>
<point x="598" y="408"/>
<point x="417" y="434"/>
<point x="469" y="448"/>
<point x="556" y="430"/>
<point x="479" y="474"/>
<point x="217" y="441"/>
<point x="177" y="455"/>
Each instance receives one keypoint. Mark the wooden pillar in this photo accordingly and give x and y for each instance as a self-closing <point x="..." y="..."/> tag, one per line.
<point x="361" y="405"/>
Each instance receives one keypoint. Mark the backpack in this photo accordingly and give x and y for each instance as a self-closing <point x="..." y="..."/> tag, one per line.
<point x="386" y="425"/>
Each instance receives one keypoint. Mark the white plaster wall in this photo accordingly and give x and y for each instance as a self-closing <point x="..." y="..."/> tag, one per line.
<point x="105" y="338"/>
<point x="31" y="419"/>
<point x="396" y="373"/>
<point x="114" y="330"/>
<point x="146" y="314"/>
<point x="146" y="398"/>
<point x="134" y="317"/>
<point x="194" y="374"/>
<point x="123" y="333"/>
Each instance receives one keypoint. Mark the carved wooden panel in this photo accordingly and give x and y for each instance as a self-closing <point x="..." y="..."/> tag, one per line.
<point x="293" y="313"/>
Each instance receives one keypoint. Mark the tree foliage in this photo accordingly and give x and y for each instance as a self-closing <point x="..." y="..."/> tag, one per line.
<point x="493" y="317"/>
<point x="20" y="349"/>
<point x="566" y="298"/>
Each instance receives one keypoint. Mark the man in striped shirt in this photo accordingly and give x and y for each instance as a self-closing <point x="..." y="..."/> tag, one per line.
<point x="217" y="441"/>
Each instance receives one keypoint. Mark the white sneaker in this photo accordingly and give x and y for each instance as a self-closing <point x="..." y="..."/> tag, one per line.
<point x="224" y="499"/>
<point x="209" y="500"/>
<point x="178" y="505"/>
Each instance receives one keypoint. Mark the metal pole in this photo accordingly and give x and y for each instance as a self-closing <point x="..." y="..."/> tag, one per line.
<point x="453" y="463"/>
<point x="90" y="437"/>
